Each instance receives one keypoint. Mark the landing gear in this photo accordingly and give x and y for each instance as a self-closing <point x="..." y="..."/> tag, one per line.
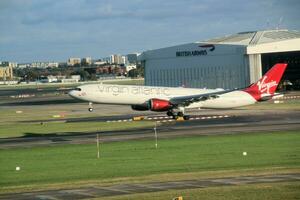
<point x="179" y="114"/>
<point x="186" y="117"/>
<point x="182" y="115"/>
<point x="170" y="113"/>
<point x="90" y="107"/>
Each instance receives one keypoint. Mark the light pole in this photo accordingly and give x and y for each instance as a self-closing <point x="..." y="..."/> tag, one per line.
<point x="98" y="147"/>
<point x="155" y="133"/>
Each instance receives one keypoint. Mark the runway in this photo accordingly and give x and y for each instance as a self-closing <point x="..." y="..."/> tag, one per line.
<point x="209" y="125"/>
<point x="95" y="191"/>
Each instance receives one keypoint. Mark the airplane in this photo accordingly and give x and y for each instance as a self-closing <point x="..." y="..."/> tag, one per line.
<point x="174" y="100"/>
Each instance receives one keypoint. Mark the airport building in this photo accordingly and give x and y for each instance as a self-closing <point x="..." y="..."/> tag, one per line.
<point x="227" y="62"/>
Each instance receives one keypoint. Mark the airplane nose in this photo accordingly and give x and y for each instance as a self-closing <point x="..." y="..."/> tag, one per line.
<point x="72" y="93"/>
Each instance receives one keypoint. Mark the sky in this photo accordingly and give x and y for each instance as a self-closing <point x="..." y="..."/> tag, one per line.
<point x="54" y="30"/>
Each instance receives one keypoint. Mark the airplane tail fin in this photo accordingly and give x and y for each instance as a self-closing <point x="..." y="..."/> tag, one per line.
<point x="266" y="86"/>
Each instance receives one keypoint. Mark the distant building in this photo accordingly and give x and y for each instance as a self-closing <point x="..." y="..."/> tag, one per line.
<point x="23" y="65"/>
<point x="117" y="59"/>
<point x="99" y="62"/>
<point x="130" y="67"/>
<point x="13" y="64"/>
<point x="61" y="79"/>
<point x="44" y="64"/>
<point x="48" y="79"/>
<point x="86" y="61"/>
<point x="107" y="60"/>
<point x="72" y="79"/>
<point x="74" y="61"/>
<point x="53" y="64"/>
<point x="8" y="64"/>
<point x="6" y="73"/>
<point x="123" y="60"/>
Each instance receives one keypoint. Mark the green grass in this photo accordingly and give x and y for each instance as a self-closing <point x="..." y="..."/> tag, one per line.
<point x="74" y="163"/>
<point x="274" y="191"/>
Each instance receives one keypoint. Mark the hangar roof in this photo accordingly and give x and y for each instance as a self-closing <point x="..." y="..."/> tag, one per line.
<point x="257" y="37"/>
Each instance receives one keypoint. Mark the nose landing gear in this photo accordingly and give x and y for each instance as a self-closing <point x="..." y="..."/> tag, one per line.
<point x="90" y="107"/>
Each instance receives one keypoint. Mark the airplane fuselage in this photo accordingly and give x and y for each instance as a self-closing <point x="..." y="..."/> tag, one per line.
<point x="135" y="95"/>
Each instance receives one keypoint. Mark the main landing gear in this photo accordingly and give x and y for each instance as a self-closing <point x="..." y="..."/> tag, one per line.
<point x="90" y="107"/>
<point x="177" y="115"/>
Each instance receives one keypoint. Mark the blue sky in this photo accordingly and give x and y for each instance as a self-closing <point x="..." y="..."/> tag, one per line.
<point x="54" y="30"/>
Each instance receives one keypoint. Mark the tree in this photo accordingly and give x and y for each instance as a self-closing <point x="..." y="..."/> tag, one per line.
<point x="83" y="74"/>
<point x="133" y="73"/>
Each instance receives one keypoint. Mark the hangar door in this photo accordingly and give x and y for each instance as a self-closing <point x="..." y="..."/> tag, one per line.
<point x="292" y="73"/>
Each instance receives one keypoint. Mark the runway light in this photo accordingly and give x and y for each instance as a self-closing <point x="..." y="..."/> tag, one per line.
<point x="244" y="153"/>
<point x="18" y="168"/>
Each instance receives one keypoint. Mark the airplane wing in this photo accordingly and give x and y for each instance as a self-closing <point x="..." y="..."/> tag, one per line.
<point x="187" y="100"/>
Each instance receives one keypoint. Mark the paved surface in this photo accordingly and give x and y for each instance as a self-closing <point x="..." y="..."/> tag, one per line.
<point x="125" y="189"/>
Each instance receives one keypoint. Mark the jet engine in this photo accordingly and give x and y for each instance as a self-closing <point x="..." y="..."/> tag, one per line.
<point x="160" y="105"/>
<point x="153" y="105"/>
<point x="141" y="107"/>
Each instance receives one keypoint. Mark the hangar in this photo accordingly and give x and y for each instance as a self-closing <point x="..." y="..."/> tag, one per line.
<point x="226" y="62"/>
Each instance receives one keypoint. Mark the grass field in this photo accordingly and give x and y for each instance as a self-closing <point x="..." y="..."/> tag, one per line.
<point x="137" y="160"/>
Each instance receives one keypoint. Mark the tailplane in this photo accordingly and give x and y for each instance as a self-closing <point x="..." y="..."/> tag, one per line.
<point x="266" y="86"/>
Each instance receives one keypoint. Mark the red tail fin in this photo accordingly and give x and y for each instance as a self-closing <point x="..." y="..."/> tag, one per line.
<point x="267" y="85"/>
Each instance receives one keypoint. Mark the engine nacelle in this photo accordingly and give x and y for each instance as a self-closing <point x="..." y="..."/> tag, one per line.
<point x="141" y="107"/>
<point x="160" y="105"/>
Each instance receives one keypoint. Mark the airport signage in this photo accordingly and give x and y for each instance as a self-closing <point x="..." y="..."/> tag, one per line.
<point x="202" y="52"/>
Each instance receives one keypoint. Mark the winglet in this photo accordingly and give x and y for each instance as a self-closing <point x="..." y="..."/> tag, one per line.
<point x="267" y="85"/>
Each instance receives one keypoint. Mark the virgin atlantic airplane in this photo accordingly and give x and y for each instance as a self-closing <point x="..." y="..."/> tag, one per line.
<point x="174" y="100"/>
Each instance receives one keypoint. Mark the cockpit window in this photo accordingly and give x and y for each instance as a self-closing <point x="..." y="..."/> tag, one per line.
<point x="78" y="89"/>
